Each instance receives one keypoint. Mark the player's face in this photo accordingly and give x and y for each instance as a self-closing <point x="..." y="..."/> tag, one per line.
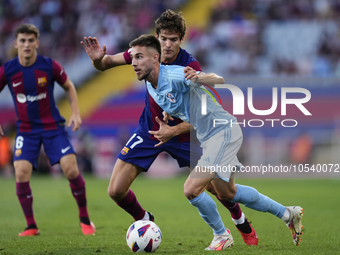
<point x="143" y="60"/>
<point x="170" y="43"/>
<point x="26" y="45"/>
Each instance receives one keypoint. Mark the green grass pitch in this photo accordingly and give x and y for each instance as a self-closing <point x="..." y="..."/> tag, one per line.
<point x="183" y="230"/>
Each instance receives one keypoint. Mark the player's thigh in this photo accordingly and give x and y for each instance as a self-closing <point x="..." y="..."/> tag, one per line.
<point x="23" y="170"/>
<point x="197" y="182"/>
<point x="57" y="144"/>
<point x="26" y="148"/>
<point x="140" y="150"/>
<point x="123" y="175"/>
<point x="69" y="166"/>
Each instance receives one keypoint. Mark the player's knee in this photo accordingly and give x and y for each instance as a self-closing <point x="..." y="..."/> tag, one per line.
<point x="228" y="193"/>
<point x="231" y="192"/>
<point x="71" y="173"/>
<point x="226" y="197"/>
<point x="69" y="166"/>
<point x="22" y="172"/>
<point x="21" y="175"/>
<point x="191" y="192"/>
<point x="115" y="192"/>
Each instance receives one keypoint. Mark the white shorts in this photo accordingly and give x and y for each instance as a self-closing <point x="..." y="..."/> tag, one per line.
<point x="220" y="152"/>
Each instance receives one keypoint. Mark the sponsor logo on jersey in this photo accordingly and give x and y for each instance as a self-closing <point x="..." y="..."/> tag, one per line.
<point x="42" y="81"/>
<point x="170" y="97"/>
<point x="125" y="150"/>
<point x="18" y="152"/>
<point x="23" y="99"/>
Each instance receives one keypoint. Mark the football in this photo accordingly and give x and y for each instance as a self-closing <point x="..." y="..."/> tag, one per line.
<point x="143" y="236"/>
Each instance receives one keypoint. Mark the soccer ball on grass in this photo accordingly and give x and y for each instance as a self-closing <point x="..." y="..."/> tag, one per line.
<point x="143" y="236"/>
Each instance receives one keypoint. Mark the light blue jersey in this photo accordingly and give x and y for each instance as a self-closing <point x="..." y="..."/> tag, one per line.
<point x="183" y="99"/>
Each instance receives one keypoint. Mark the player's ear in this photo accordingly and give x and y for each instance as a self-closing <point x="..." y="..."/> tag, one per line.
<point x="38" y="42"/>
<point x="15" y="44"/>
<point x="182" y="40"/>
<point x="156" y="57"/>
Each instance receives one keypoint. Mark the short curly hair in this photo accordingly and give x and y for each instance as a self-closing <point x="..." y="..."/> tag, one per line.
<point x="172" y="22"/>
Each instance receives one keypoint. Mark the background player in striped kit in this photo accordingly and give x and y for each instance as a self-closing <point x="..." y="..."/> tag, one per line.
<point x="173" y="138"/>
<point x="31" y="78"/>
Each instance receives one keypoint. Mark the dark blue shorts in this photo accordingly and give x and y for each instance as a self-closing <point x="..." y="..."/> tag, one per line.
<point x="57" y="143"/>
<point x="140" y="150"/>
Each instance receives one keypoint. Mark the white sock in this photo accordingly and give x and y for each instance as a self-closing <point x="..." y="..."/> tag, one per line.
<point x="241" y="220"/>
<point x="286" y="215"/>
<point x="146" y="216"/>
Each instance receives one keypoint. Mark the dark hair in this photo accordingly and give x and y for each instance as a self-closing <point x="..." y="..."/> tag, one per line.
<point x="172" y="22"/>
<point x="147" y="41"/>
<point x="27" y="29"/>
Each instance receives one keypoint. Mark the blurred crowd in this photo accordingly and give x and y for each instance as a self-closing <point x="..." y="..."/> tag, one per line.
<point x="64" y="23"/>
<point x="266" y="38"/>
<point x="250" y="37"/>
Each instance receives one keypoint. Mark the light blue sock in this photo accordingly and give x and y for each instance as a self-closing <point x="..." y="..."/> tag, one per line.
<point x="208" y="211"/>
<point x="251" y="198"/>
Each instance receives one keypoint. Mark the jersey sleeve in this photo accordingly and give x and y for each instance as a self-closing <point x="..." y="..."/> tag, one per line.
<point x="3" y="81"/>
<point x="195" y="65"/>
<point x="127" y="56"/>
<point x="59" y="74"/>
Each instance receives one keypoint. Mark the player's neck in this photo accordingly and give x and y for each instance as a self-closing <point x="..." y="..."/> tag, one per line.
<point x="153" y="77"/>
<point x="26" y="62"/>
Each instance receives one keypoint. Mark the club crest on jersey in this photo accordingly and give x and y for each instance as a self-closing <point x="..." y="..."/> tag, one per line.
<point x="18" y="152"/>
<point x="170" y="97"/>
<point x="124" y="151"/>
<point x="42" y="81"/>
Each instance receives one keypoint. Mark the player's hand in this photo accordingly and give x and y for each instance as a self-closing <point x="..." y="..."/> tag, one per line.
<point x="93" y="49"/>
<point x="74" y="121"/>
<point x="166" y="117"/>
<point x="190" y="74"/>
<point x="163" y="134"/>
<point x="1" y="132"/>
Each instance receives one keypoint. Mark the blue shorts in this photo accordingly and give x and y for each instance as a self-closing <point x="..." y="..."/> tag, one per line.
<point x="57" y="143"/>
<point x="140" y="150"/>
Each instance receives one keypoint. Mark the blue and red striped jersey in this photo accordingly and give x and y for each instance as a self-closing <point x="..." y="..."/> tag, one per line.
<point x="32" y="91"/>
<point x="151" y="110"/>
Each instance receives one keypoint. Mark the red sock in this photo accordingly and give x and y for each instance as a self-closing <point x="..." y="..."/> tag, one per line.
<point x="132" y="206"/>
<point x="78" y="191"/>
<point x="24" y="193"/>
<point x="233" y="208"/>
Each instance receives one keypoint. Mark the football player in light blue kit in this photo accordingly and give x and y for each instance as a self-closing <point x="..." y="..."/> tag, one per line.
<point x="179" y="92"/>
<point x="173" y="138"/>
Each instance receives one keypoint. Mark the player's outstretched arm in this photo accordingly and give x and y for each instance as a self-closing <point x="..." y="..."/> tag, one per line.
<point x="210" y="79"/>
<point x="206" y="78"/>
<point x="165" y="132"/>
<point x="97" y="54"/>
<point x="71" y="94"/>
